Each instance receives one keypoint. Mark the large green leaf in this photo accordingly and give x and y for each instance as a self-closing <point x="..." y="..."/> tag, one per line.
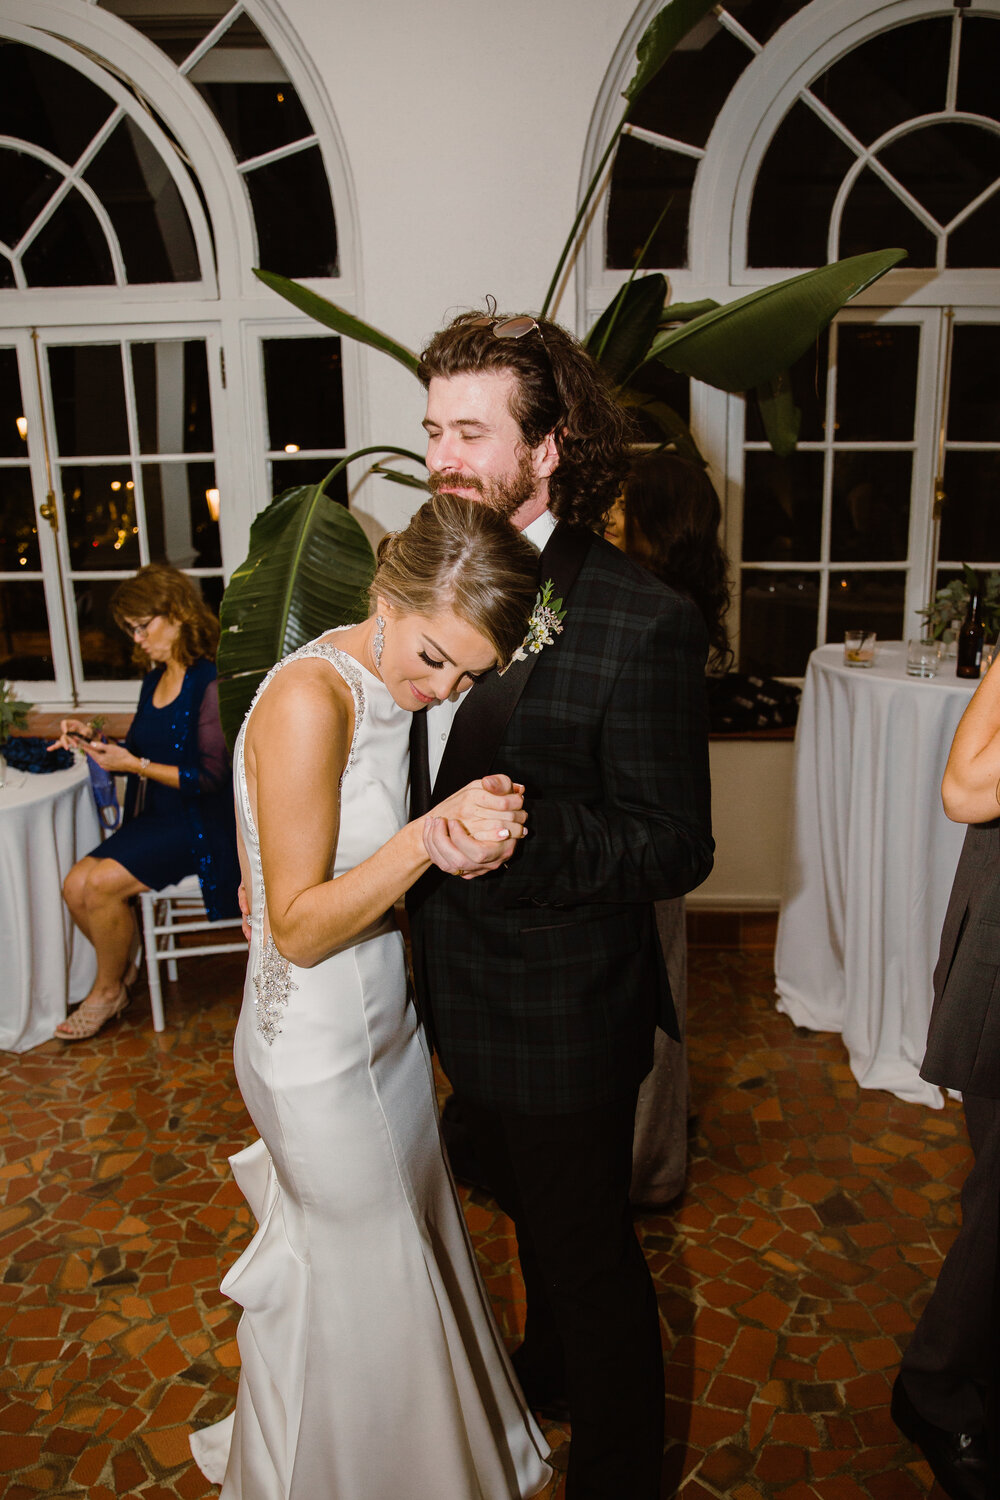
<point x="781" y="417"/>
<point x="619" y="341"/>
<point x="308" y="569"/>
<point x="749" y="342"/>
<point x="684" y="312"/>
<point x="332" y="316"/>
<point x="668" y="27"/>
<point x="675" y="431"/>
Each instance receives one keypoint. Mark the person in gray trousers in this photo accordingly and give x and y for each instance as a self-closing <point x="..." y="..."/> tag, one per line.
<point x="945" y="1395"/>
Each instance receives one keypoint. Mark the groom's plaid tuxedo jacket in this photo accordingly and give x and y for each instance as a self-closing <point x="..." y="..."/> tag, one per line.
<point x="541" y="983"/>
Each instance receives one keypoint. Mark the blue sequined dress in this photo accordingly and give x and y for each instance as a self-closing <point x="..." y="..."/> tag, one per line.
<point x="172" y="832"/>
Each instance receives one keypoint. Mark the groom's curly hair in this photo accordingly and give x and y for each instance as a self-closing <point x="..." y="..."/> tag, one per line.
<point x="462" y="555"/>
<point x="559" y="390"/>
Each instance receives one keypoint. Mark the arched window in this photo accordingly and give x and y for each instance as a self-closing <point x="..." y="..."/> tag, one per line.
<point x="784" y="135"/>
<point x="153" y="395"/>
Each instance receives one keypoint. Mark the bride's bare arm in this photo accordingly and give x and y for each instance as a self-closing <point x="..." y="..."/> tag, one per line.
<point x="296" y="749"/>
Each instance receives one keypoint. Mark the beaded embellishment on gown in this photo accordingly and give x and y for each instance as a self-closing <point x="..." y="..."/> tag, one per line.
<point x="371" y="1365"/>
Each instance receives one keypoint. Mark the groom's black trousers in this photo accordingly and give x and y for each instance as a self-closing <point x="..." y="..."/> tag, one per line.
<point x="592" y="1331"/>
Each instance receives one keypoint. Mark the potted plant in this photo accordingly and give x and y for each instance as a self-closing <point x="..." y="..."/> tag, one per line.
<point x="13" y="715"/>
<point x="944" y="614"/>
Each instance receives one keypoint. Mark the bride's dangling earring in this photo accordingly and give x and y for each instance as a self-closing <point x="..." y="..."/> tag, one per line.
<point x="378" y="642"/>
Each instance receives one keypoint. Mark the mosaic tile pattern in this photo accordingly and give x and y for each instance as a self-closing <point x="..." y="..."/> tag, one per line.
<point x="789" y="1275"/>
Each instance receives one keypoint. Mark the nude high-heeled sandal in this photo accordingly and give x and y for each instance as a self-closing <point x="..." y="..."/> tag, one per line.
<point x="91" y="1015"/>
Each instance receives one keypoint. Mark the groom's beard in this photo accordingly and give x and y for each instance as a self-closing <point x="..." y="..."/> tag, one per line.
<point x="504" y="494"/>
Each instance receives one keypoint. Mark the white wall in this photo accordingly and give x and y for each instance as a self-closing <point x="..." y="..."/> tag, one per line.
<point x="751" y="816"/>
<point x="464" y="124"/>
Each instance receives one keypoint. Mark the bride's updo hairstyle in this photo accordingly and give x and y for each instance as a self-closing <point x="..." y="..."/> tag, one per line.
<point x="459" y="554"/>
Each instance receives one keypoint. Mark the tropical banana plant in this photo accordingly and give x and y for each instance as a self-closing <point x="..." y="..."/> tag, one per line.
<point x="746" y="345"/>
<point x="307" y="565"/>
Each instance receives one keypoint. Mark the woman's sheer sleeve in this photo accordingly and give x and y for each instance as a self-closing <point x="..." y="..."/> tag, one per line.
<point x="214" y="772"/>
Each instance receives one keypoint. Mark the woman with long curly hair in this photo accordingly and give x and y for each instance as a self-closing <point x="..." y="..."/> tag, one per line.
<point x="667" y="519"/>
<point x="179" y="816"/>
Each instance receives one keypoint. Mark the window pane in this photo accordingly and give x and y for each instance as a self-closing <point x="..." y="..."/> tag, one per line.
<point x="12" y="444"/>
<point x="686" y="95"/>
<point x="979" y="62"/>
<point x="26" y="185"/>
<point x="305" y="396"/>
<point x="256" y="117"/>
<point x="778" y="619"/>
<point x="974" y="398"/>
<point x="172" y="399"/>
<point x="287" y="473"/>
<point x="970" y="521"/>
<point x="151" y="222"/>
<point x="106" y="650"/>
<point x="762" y="18"/>
<point x="25" y="644"/>
<point x="808" y="391"/>
<point x="643" y="179"/>
<point x="175" y="32"/>
<point x="870" y="520"/>
<point x="18" y="531"/>
<point x="179" y="521"/>
<point x="874" y="217"/>
<point x="70" y="249"/>
<point x="88" y="395"/>
<point x="44" y="101"/>
<point x="212" y="590"/>
<point x="868" y="601"/>
<point x="945" y="166"/>
<point x="876" y="381"/>
<point x="291" y="202"/>
<point x="99" y="504"/>
<point x="783" y="507"/>
<point x="7" y="277"/>
<point x="795" y="190"/>
<point x="976" y="241"/>
<point x="886" y="81"/>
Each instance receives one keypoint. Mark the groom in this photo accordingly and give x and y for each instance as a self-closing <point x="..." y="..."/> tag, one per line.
<point x="542" y="980"/>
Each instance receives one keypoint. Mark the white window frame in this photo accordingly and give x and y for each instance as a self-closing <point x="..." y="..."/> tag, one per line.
<point x="228" y="306"/>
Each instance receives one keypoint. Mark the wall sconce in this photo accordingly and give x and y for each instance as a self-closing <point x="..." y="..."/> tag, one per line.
<point x="212" y="501"/>
<point x="21" y="423"/>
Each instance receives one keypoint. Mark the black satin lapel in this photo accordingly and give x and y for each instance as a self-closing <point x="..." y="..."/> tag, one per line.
<point x="479" y="724"/>
<point x="420" y="775"/>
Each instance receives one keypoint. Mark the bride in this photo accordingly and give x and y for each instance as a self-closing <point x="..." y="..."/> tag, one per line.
<point x="371" y="1366"/>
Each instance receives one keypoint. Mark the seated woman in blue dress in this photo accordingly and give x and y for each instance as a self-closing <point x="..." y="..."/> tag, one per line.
<point x="179" y="817"/>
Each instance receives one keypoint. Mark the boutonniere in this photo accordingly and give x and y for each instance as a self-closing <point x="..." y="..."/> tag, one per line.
<point x="543" y="626"/>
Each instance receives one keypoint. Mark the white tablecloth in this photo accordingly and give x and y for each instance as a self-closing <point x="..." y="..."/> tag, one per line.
<point x="872" y="861"/>
<point x="47" y="823"/>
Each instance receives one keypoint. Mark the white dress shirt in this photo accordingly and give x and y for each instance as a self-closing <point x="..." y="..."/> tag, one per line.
<point x="440" y="716"/>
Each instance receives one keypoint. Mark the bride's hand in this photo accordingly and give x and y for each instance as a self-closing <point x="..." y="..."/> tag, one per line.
<point x="477" y="829"/>
<point x="491" y="809"/>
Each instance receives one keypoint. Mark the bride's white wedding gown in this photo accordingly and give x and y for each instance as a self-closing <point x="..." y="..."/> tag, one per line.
<point x="371" y="1365"/>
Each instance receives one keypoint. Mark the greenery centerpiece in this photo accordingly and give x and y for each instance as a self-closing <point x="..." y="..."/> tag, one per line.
<point x="951" y="601"/>
<point x="13" y="712"/>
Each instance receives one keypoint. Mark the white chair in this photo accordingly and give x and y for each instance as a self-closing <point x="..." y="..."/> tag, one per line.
<point x="166" y="914"/>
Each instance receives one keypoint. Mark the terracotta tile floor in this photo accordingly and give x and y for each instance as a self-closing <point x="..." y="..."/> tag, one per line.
<point x="789" y="1274"/>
